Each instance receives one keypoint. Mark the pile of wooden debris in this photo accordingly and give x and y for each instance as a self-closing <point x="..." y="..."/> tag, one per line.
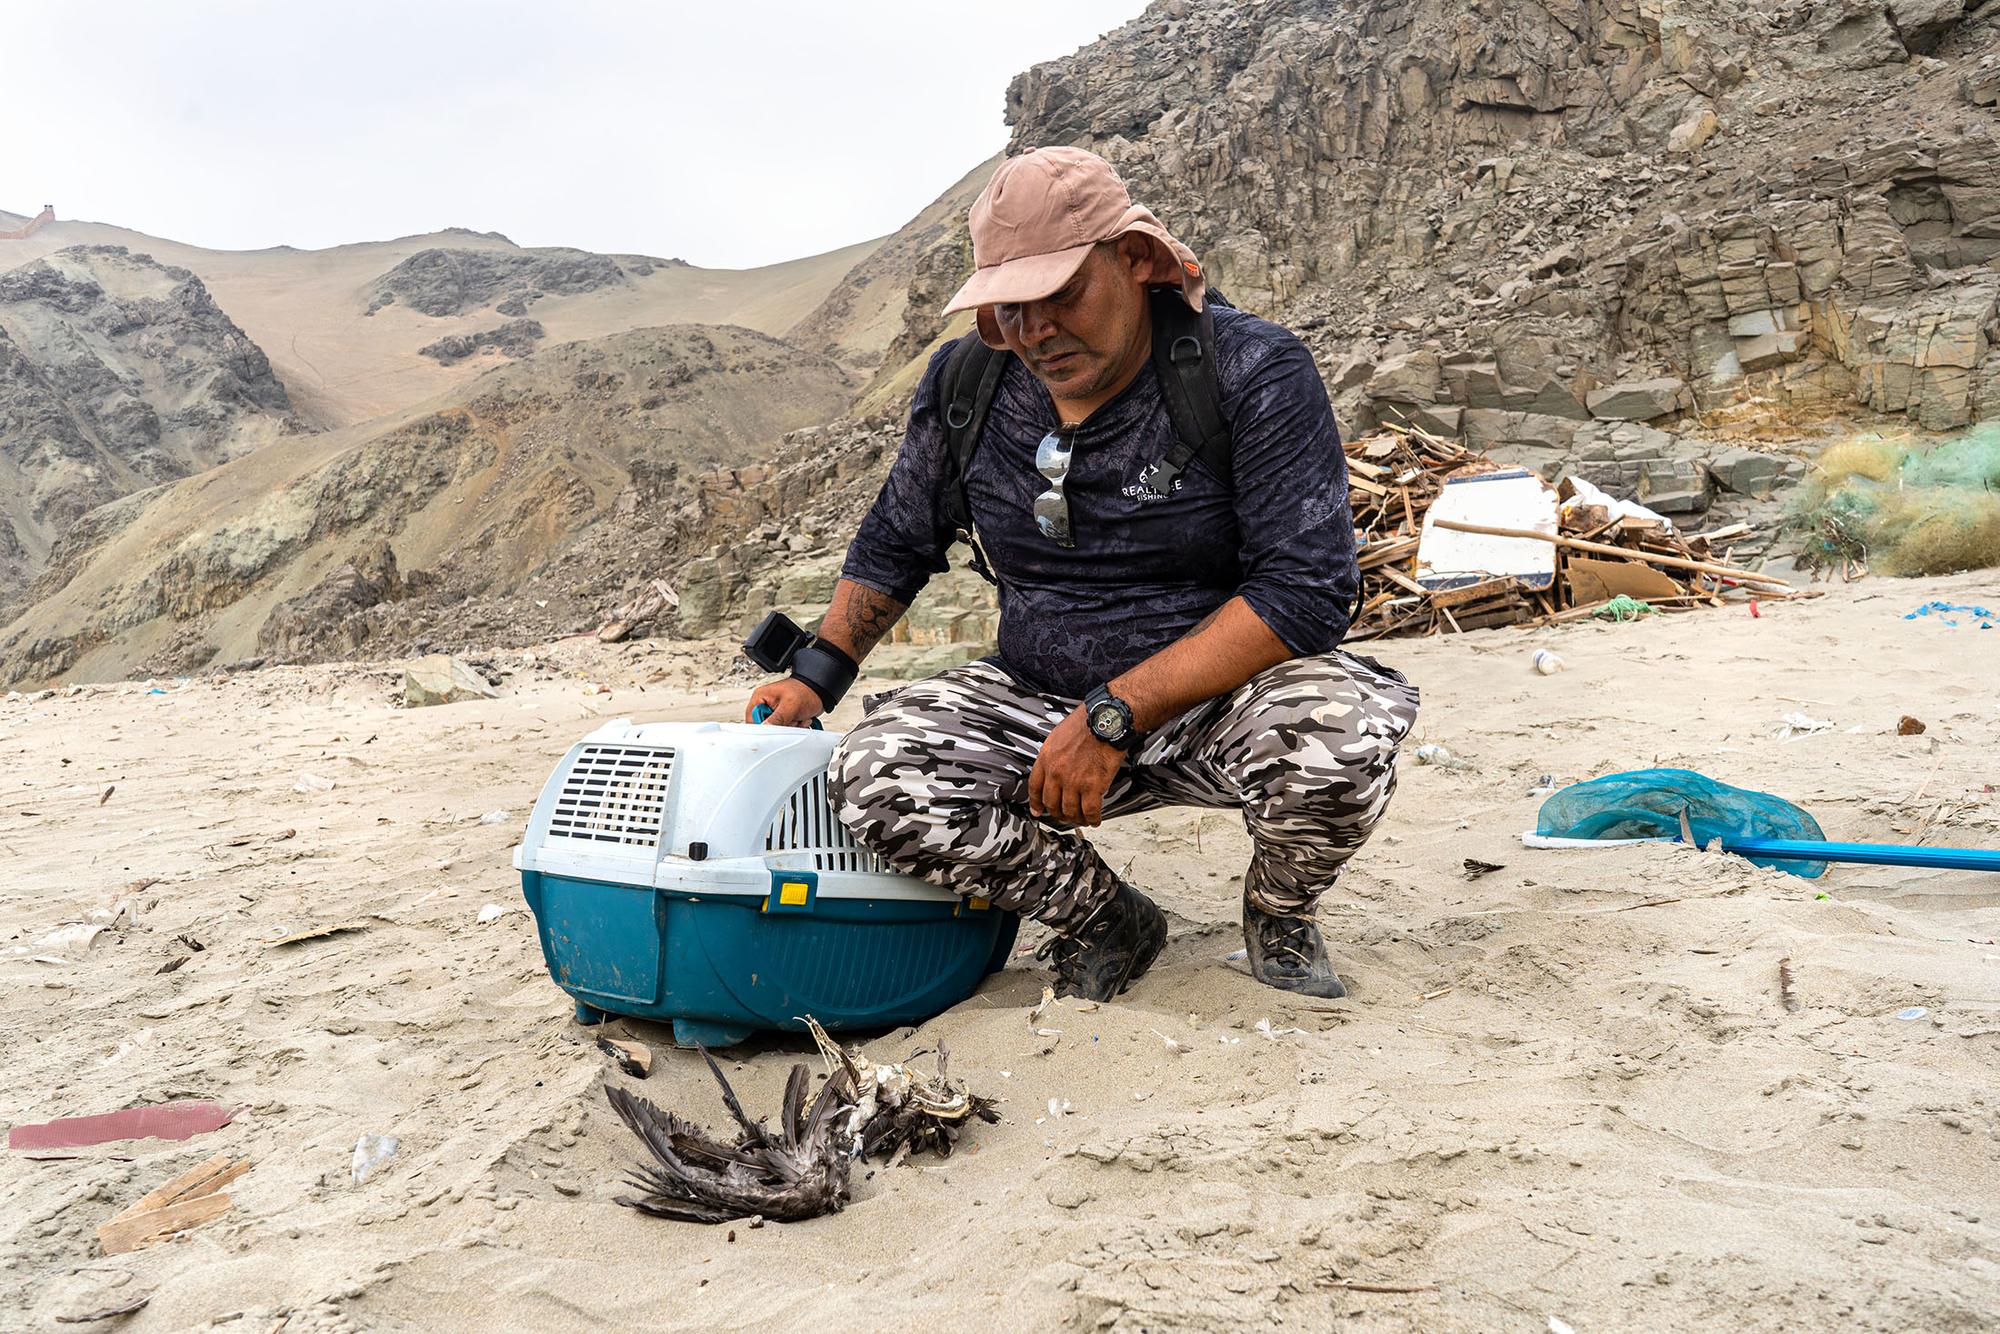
<point x="1596" y="552"/>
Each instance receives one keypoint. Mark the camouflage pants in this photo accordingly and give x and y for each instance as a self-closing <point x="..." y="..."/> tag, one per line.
<point x="934" y="779"/>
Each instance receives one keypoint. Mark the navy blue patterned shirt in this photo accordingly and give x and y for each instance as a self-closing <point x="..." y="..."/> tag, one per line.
<point x="1143" y="570"/>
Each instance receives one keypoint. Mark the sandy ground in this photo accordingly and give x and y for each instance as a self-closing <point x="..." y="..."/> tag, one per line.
<point x="1566" y="1089"/>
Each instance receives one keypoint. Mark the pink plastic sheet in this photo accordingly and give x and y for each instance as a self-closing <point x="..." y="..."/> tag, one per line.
<point x="162" y="1120"/>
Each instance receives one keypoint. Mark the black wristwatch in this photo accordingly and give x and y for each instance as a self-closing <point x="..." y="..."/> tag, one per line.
<point x="1110" y="719"/>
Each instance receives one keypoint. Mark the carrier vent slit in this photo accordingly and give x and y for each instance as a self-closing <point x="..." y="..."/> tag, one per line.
<point x="614" y="794"/>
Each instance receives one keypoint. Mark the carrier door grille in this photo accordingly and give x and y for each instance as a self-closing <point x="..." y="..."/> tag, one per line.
<point x="806" y="823"/>
<point x="614" y="794"/>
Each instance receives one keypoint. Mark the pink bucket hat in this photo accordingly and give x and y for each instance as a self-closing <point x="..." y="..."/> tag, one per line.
<point x="1036" y="221"/>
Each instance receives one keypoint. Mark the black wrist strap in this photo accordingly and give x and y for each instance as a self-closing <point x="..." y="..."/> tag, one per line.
<point x="826" y="669"/>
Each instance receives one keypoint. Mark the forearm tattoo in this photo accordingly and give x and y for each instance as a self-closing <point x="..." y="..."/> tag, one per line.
<point x="865" y="617"/>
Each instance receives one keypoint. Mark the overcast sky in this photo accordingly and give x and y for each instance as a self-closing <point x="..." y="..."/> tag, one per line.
<point x="728" y="134"/>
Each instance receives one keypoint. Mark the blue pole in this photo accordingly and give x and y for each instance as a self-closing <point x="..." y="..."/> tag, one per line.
<point x="1866" y="854"/>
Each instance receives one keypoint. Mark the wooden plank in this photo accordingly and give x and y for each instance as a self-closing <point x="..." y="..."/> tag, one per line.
<point x="129" y="1231"/>
<point x="1671" y="562"/>
<point x="1401" y="580"/>
<point x="205" y="1179"/>
<point x="1457" y="597"/>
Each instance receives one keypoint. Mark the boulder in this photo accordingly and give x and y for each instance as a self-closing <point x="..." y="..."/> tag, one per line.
<point x="1982" y="85"/>
<point x="1767" y="350"/>
<point x="1411" y="378"/>
<point x="1697" y="126"/>
<point x="1640" y="400"/>
<point x="1673" y="486"/>
<point x="1747" y="472"/>
<point x="442" y="679"/>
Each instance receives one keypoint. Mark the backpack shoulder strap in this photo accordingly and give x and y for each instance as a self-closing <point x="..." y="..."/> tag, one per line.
<point x="1184" y="360"/>
<point x="971" y="376"/>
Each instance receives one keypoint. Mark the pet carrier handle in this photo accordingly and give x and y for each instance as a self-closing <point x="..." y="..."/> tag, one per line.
<point x="763" y="711"/>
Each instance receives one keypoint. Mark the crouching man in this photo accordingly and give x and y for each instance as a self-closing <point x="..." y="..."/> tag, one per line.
<point x="1157" y="485"/>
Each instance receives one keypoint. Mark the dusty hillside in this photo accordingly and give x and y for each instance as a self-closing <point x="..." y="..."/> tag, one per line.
<point x="284" y="552"/>
<point x="310" y="309"/>
<point x="883" y="312"/>
<point x="117" y="373"/>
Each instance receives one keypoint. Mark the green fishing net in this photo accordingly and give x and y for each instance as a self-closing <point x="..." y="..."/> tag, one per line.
<point x="1902" y="507"/>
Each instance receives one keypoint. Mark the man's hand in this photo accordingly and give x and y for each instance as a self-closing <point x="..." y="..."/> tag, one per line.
<point x="858" y="620"/>
<point x="793" y="702"/>
<point x="1072" y="774"/>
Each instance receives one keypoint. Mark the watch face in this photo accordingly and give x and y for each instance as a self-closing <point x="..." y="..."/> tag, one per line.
<point x="1107" y="720"/>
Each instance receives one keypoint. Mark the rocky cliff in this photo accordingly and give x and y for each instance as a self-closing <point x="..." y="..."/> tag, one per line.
<point x="1494" y="216"/>
<point x="1619" y="236"/>
<point x="367" y="538"/>
<point x="116" y="374"/>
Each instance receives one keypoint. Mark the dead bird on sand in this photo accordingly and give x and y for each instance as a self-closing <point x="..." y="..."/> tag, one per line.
<point x="802" y="1169"/>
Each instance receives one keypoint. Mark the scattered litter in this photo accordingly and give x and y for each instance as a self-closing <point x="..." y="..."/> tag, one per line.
<point x="313" y="783"/>
<point x="173" y="964"/>
<point x="1557" y="1325"/>
<point x="91" y="1317"/>
<point x="1948" y="612"/>
<point x="370" y="1152"/>
<point x="634" y="1058"/>
<point x="189" y="1200"/>
<point x="1058" y="1107"/>
<point x="1914" y="1012"/>
<point x="1174" y="1045"/>
<point x="1432" y="753"/>
<point x="1908" y="726"/>
<point x="1547" y="661"/>
<point x="1228" y="1041"/>
<point x="176" y="1120"/>
<point x="1623" y="608"/>
<point x="191" y="942"/>
<point x="1264" y="1026"/>
<point x="1041" y="1007"/>
<point x="107" y="794"/>
<point x="317" y="933"/>
<point x="72" y="940"/>
<point x="1474" y="868"/>
<point x="490" y="913"/>
<point x="62" y="945"/>
<point x="1236" y="956"/>
<point x="494" y="817"/>
<point x="1798" y="724"/>
<point x="1433" y="995"/>
<point x="1426" y="570"/>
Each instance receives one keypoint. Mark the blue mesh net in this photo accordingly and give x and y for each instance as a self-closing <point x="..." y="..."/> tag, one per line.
<point x="1648" y="803"/>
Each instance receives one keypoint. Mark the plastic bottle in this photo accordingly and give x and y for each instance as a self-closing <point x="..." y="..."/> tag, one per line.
<point x="1546" y="662"/>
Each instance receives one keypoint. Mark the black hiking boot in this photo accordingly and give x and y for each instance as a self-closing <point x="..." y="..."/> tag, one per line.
<point x="1110" y="951"/>
<point x="1287" y="953"/>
